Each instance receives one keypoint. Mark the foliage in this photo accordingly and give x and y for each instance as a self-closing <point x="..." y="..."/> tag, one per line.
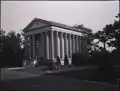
<point x="80" y="59"/>
<point x="11" y="53"/>
<point x="110" y="35"/>
<point x="99" y="55"/>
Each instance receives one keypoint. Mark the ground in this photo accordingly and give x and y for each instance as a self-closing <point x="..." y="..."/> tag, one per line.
<point x="39" y="81"/>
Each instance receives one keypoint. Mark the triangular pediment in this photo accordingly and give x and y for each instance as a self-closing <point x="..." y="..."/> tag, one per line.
<point x="36" y="23"/>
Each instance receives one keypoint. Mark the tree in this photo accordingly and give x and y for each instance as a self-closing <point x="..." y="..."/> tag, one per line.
<point x="13" y="49"/>
<point x="101" y="37"/>
<point x="110" y="35"/>
<point x="11" y="53"/>
<point x="2" y="36"/>
<point x="114" y="33"/>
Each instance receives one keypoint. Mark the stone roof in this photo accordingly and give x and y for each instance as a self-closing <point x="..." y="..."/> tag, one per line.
<point x="56" y="24"/>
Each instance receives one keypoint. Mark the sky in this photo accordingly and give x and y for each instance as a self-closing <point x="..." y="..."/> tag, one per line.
<point x="16" y="15"/>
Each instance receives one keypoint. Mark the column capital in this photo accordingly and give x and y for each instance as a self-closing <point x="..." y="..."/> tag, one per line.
<point x="68" y="35"/>
<point x="47" y="32"/>
<point x="72" y="35"/>
<point x="56" y="33"/>
<point x="61" y="34"/>
<point x="64" y="33"/>
<point x="51" y="31"/>
<point x="75" y="36"/>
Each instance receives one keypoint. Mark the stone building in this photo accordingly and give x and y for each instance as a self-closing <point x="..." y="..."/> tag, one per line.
<point x="51" y="39"/>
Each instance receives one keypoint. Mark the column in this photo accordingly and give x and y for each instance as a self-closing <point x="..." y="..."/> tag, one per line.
<point x="29" y="46"/>
<point x="61" y="46"/>
<point x="47" y="45"/>
<point x="66" y="44"/>
<point x="39" y="46"/>
<point x="33" y="45"/>
<point x="26" y="46"/>
<point x="77" y="43"/>
<point x="43" y="44"/>
<point x="85" y="44"/>
<point x="73" y="43"/>
<point x="52" y="44"/>
<point x="56" y="41"/>
<point x="82" y="44"/>
<point x="70" y="46"/>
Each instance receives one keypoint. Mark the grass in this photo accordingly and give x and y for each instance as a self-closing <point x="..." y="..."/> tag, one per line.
<point x="90" y="74"/>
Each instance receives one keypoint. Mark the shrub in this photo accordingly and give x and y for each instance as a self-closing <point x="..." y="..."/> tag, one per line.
<point x="11" y="58"/>
<point x="45" y="62"/>
<point x="80" y="59"/>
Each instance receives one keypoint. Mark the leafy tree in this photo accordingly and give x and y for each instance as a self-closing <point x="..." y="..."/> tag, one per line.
<point x="11" y="53"/>
<point x="114" y="33"/>
<point x="13" y="44"/>
<point x="110" y="35"/>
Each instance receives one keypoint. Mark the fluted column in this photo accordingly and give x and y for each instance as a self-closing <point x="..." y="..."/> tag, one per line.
<point x="61" y="46"/>
<point x="69" y="54"/>
<point x="85" y="44"/>
<point x="56" y="44"/>
<point x="77" y="43"/>
<point x="70" y="46"/>
<point x="74" y="44"/>
<point x="66" y="44"/>
<point x="41" y="44"/>
<point x="44" y="44"/>
<point x="72" y="38"/>
<point x="65" y="40"/>
<point x="47" y="45"/>
<point x="26" y="46"/>
<point x="52" y="44"/>
<point x="33" y="45"/>
<point x="29" y="46"/>
<point x="82" y="44"/>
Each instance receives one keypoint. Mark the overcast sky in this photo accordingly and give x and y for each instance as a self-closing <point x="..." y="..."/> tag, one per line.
<point x="15" y="15"/>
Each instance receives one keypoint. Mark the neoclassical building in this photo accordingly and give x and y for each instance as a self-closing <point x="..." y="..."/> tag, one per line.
<point x="51" y="39"/>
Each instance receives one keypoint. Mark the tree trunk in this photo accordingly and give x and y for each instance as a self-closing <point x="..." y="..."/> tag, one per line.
<point x="104" y="46"/>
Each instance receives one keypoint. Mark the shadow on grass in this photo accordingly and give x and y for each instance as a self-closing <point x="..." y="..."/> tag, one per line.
<point x="90" y="74"/>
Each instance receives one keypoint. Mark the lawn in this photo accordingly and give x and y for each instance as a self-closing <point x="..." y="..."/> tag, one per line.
<point x="91" y="74"/>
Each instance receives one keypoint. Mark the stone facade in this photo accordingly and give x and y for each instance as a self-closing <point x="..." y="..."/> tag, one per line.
<point x="50" y="39"/>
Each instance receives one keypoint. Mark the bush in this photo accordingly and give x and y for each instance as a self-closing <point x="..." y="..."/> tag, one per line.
<point x="105" y="62"/>
<point x="45" y="62"/>
<point x="102" y="59"/>
<point x="9" y="58"/>
<point x="80" y="59"/>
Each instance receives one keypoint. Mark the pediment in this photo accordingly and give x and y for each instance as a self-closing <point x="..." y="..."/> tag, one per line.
<point x="36" y="23"/>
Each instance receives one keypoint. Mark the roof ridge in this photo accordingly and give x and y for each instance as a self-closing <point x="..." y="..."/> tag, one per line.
<point x="57" y="24"/>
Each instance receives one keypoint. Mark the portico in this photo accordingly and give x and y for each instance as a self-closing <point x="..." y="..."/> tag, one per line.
<point x="50" y="39"/>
